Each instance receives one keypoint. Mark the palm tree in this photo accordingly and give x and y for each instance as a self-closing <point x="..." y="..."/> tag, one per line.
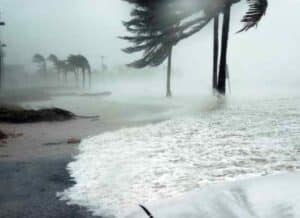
<point x="153" y="37"/>
<point x="65" y="68"/>
<point x="55" y="61"/>
<point x="169" y="92"/>
<point x="41" y="62"/>
<point x="85" y="67"/>
<point x="221" y="86"/>
<point x="79" y="62"/>
<point x="145" y="15"/>
<point x="72" y="65"/>
<point x="215" y="53"/>
<point x="257" y="8"/>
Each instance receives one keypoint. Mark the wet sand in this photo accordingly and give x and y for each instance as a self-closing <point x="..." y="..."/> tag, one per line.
<point x="32" y="172"/>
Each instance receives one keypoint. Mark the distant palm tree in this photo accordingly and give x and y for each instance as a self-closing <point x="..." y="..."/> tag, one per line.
<point x="65" y="67"/>
<point x="80" y="63"/>
<point x="41" y="62"/>
<point x="56" y="63"/>
<point x="85" y="67"/>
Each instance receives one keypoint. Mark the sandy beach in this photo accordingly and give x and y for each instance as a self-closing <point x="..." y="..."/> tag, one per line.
<point x="33" y="159"/>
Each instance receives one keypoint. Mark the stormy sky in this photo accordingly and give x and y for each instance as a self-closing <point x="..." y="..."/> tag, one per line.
<point x="91" y="27"/>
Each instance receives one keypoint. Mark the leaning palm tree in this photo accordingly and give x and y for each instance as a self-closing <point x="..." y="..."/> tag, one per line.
<point x="184" y="19"/>
<point x="80" y="63"/>
<point x="144" y="22"/>
<point x="257" y="8"/>
<point x="41" y="62"/>
<point x="65" y="67"/>
<point x="85" y="67"/>
<point x="72" y="65"/>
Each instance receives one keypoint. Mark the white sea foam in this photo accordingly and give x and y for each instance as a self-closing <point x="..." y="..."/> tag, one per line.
<point x="118" y="170"/>
<point x="265" y="197"/>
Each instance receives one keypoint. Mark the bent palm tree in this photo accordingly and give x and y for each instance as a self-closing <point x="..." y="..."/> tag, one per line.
<point x="72" y="65"/>
<point x="152" y="29"/>
<point x="41" y="63"/>
<point x="79" y="62"/>
<point x="145" y="22"/>
<point x="65" y="67"/>
<point x="84" y="65"/>
<point x="257" y="8"/>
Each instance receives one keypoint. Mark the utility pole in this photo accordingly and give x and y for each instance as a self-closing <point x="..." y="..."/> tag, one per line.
<point x="1" y="57"/>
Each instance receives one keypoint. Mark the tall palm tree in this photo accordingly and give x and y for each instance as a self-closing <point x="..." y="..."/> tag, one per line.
<point x="145" y="15"/>
<point x="215" y="53"/>
<point x="169" y="92"/>
<point x="41" y="62"/>
<point x="257" y="8"/>
<point x="154" y="37"/>
<point x="221" y="86"/>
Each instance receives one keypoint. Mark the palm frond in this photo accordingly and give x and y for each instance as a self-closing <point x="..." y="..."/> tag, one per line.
<point x="257" y="9"/>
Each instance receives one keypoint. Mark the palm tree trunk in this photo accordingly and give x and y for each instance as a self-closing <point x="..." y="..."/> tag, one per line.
<point x="169" y="92"/>
<point x="216" y="53"/>
<point x="83" y="78"/>
<point x="76" y="77"/>
<point x="45" y="69"/>
<point x="66" y="76"/>
<point x="58" y="73"/>
<point x="90" y="79"/>
<point x="223" y="61"/>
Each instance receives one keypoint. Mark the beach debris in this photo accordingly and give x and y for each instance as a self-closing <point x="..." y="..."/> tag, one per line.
<point x="69" y="141"/>
<point x="74" y="141"/>
<point x="96" y="94"/>
<point x="14" y="114"/>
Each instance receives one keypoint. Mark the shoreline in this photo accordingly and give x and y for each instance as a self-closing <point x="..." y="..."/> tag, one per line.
<point x="33" y="172"/>
<point x="33" y="166"/>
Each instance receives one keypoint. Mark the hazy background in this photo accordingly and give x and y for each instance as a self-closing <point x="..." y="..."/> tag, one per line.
<point x="267" y="57"/>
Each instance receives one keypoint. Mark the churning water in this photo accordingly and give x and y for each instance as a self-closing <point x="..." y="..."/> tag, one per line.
<point x="118" y="170"/>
